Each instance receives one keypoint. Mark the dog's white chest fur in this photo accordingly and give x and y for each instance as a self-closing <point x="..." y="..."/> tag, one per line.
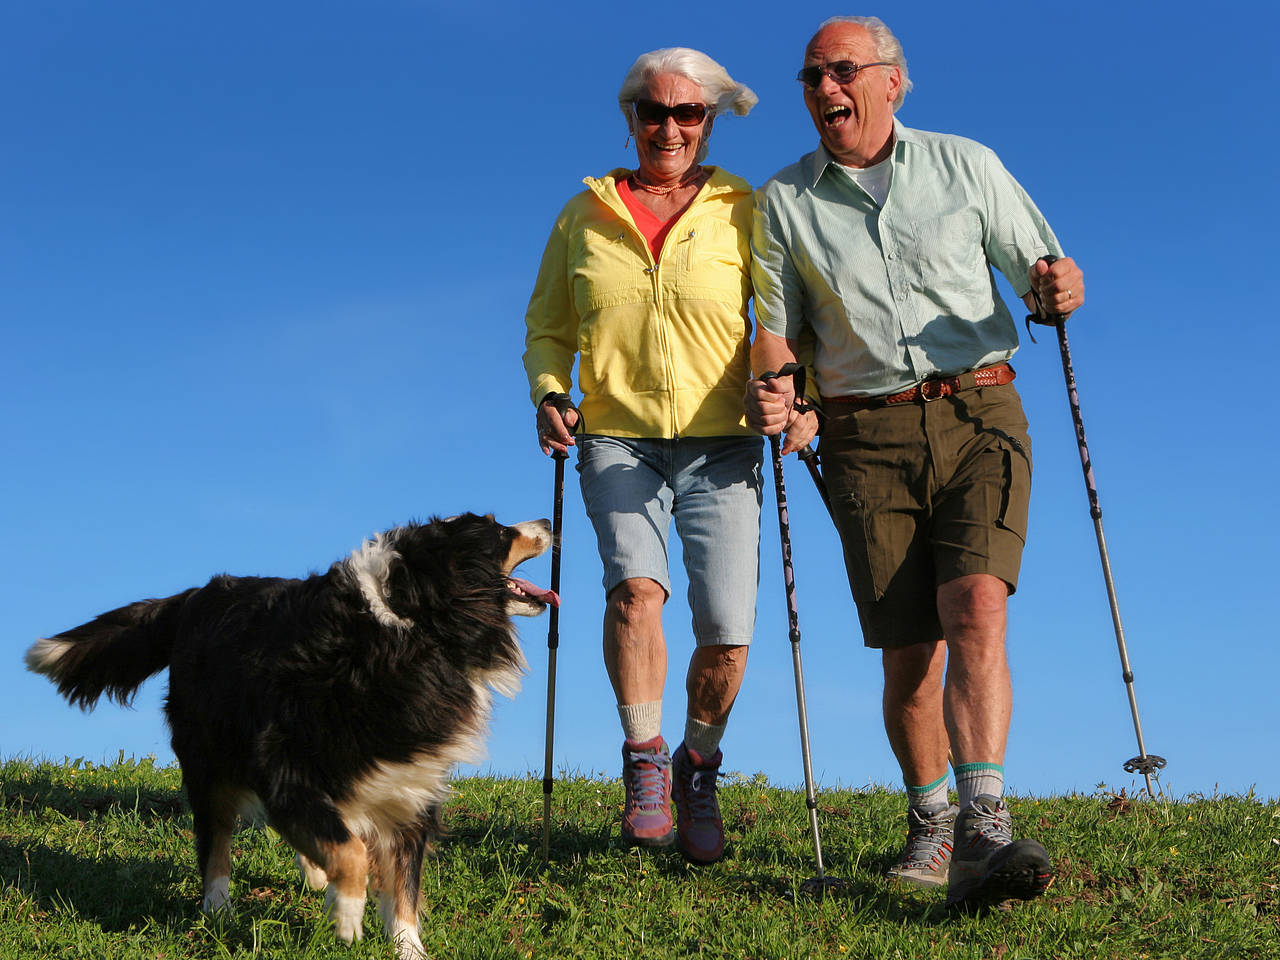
<point x="394" y="794"/>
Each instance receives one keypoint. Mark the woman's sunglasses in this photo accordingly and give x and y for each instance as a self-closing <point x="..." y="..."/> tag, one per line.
<point x="685" y="114"/>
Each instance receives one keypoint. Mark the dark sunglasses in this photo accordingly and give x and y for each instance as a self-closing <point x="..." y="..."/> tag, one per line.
<point x="841" y="71"/>
<point x="685" y="114"/>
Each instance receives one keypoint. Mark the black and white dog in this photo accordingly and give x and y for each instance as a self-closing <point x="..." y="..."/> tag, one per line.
<point x="335" y="705"/>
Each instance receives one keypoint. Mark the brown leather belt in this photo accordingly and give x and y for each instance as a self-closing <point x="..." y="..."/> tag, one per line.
<point x="994" y="376"/>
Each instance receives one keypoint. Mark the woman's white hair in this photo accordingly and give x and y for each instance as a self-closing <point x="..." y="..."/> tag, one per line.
<point x="720" y="91"/>
<point x="887" y="46"/>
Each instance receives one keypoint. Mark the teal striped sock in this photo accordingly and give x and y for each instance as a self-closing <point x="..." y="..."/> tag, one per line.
<point x="930" y="798"/>
<point x="976" y="779"/>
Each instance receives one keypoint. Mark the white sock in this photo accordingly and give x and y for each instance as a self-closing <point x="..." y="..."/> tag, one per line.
<point x="641" y="721"/>
<point x="702" y="738"/>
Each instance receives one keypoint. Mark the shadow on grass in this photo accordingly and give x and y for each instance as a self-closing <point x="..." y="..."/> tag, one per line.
<point x="114" y="890"/>
<point x="111" y="891"/>
<point x="752" y="870"/>
<point x="124" y="894"/>
<point x="567" y="841"/>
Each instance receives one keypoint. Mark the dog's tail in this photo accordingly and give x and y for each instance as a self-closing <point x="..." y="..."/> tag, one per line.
<point x="112" y="654"/>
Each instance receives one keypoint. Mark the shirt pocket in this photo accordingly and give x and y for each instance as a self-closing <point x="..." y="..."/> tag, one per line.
<point x="949" y="254"/>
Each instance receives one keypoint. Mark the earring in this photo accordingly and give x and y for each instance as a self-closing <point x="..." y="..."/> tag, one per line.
<point x="627" y="145"/>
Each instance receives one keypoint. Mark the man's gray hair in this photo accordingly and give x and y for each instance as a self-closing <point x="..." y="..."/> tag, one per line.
<point x="719" y="90"/>
<point x="887" y="46"/>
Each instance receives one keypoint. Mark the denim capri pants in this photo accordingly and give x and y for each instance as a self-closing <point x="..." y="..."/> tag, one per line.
<point x="711" y="486"/>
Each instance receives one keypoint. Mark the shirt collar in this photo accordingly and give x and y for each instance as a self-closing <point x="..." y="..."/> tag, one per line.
<point x="822" y="157"/>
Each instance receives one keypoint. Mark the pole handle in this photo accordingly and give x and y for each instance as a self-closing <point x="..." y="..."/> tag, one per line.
<point x="1040" y="317"/>
<point x="562" y="403"/>
<point x="798" y="375"/>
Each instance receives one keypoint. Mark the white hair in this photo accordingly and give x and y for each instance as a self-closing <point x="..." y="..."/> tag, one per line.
<point x="887" y="47"/>
<point x="721" y="92"/>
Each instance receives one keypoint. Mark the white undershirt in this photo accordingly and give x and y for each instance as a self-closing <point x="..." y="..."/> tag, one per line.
<point x="873" y="179"/>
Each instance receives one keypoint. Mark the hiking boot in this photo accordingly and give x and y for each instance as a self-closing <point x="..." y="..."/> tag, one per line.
<point x="987" y="864"/>
<point x="646" y="777"/>
<point x="699" y="829"/>
<point x="927" y="857"/>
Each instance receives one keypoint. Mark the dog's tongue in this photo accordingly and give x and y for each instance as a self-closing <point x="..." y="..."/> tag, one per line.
<point x="538" y="593"/>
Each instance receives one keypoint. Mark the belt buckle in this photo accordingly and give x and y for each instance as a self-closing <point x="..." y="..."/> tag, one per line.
<point x="937" y="385"/>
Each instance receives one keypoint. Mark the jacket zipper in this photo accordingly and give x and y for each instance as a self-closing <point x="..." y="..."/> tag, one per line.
<point x="654" y="273"/>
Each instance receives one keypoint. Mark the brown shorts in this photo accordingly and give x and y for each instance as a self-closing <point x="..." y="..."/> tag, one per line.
<point x="924" y="492"/>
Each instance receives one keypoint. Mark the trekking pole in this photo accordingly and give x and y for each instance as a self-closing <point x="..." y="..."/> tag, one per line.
<point x="820" y="883"/>
<point x="1144" y="763"/>
<point x="553" y="643"/>
<point x="809" y="457"/>
<point x="561" y="403"/>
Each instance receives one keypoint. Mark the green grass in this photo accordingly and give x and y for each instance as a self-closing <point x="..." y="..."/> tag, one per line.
<point x="96" y="861"/>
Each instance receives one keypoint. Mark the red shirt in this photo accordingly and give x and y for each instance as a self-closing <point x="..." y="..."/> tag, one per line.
<point x="652" y="227"/>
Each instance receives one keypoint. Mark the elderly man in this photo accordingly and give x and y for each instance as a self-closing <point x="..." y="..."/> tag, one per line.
<point x="875" y="253"/>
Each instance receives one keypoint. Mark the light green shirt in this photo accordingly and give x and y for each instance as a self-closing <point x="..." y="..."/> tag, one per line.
<point x="898" y="294"/>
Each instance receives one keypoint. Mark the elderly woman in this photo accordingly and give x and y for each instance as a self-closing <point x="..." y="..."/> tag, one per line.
<point x="646" y="279"/>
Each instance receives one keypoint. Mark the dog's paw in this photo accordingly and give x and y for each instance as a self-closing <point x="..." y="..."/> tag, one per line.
<point x="217" y="895"/>
<point x="347" y="914"/>
<point x="312" y="875"/>
<point x="409" y="944"/>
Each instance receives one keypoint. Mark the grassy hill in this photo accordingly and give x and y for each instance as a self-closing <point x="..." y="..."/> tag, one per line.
<point x="96" y="861"/>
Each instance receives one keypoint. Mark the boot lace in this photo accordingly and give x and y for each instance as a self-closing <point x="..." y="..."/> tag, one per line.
<point x="701" y="794"/>
<point x="928" y="837"/>
<point x="988" y="825"/>
<point x="646" y="778"/>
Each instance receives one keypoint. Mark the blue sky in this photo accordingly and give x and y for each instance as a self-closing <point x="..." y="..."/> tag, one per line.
<point x="263" y="274"/>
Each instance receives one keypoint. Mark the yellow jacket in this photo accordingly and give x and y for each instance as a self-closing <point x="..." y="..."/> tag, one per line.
<point x="662" y="348"/>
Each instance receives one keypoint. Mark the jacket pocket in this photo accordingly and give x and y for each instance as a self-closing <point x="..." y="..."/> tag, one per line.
<point x="606" y="269"/>
<point x="712" y="259"/>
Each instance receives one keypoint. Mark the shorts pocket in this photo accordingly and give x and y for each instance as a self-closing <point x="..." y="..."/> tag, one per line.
<point x="849" y="509"/>
<point x="1015" y="497"/>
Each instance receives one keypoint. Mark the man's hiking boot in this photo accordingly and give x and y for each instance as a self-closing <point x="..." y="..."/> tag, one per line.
<point x="699" y="829"/>
<point x="646" y="778"/>
<point x="927" y="857"/>
<point x="987" y="864"/>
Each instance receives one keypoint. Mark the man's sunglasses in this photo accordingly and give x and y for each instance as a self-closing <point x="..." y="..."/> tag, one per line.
<point x="685" y="114"/>
<point x="841" y="71"/>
